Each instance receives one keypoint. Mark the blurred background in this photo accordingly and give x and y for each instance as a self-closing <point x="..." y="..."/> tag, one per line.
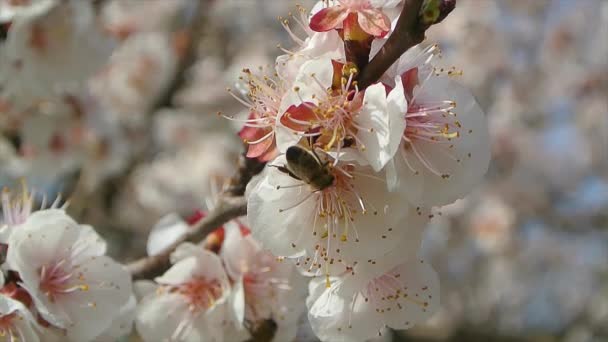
<point x="523" y="258"/>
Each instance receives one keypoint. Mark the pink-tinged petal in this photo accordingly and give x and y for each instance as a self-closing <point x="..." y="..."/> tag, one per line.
<point x="270" y="154"/>
<point x="328" y="18"/>
<point x="299" y="118"/>
<point x="374" y="22"/>
<point x="248" y="132"/>
<point x="410" y="81"/>
<point x="259" y="139"/>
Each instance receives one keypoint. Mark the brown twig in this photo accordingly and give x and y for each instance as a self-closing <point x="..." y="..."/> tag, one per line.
<point x="227" y="208"/>
<point x="231" y="204"/>
<point x="410" y="31"/>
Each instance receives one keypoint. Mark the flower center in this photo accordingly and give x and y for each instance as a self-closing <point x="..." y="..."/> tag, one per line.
<point x="430" y="123"/>
<point x="56" y="281"/>
<point x="335" y="214"/>
<point x="201" y="293"/>
<point x="263" y="100"/>
<point x="333" y="121"/>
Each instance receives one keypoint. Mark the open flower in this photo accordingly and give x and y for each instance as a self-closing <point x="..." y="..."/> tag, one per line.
<point x="189" y="303"/>
<point x="16" y="322"/>
<point x="372" y="121"/>
<point x="445" y="148"/>
<point x="62" y="266"/>
<point x="369" y="16"/>
<point x="263" y="98"/>
<point x="346" y="222"/>
<point x="270" y="288"/>
<point x="399" y="298"/>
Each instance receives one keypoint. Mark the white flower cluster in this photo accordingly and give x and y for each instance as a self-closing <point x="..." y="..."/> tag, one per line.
<point x="51" y="48"/>
<point x="57" y="283"/>
<point x="354" y="173"/>
<point x="225" y="291"/>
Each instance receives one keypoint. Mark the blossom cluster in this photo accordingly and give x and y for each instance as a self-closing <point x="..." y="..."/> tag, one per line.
<point x="48" y="52"/>
<point x="227" y="288"/>
<point x="354" y="174"/>
<point x="56" y="283"/>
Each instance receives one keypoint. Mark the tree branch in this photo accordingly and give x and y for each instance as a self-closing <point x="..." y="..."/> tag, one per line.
<point x="413" y="22"/>
<point x="231" y="204"/>
<point x="227" y="208"/>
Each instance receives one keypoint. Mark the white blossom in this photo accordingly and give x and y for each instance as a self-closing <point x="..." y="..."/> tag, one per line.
<point x="190" y="301"/>
<point x="16" y="322"/>
<point x="62" y="266"/>
<point x="265" y="288"/>
<point x="403" y="296"/>
<point x="374" y="119"/>
<point x="445" y="149"/>
<point x="349" y="221"/>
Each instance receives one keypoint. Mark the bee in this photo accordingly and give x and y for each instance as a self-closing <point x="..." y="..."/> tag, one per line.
<point x="305" y="165"/>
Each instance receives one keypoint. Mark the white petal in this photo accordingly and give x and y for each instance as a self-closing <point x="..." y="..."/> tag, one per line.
<point x="392" y="179"/>
<point x="374" y="118"/>
<point x="96" y="245"/>
<point x="186" y="250"/>
<point x="158" y="316"/>
<point x="384" y="119"/>
<point x="91" y="311"/>
<point x="360" y="314"/>
<point x="382" y="227"/>
<point x="45" y="235"/>
<point x="470" y="155"/>
<point x="209" y="327"/>
<point x="23" y="321"/>
<point x="397" y="107"/>
<point x="406" y="249"/>
<point x="285" y="137"/>
<point x="422" y="285"/>
<point x="238" y="251"/>
<point x="313" y="80"/>
<point x="277" y="229"/>
<point x="237" y="303"/>
<point x="142" y="288"/>
<point x="122" y="325"/>
<point x="164" y="233"/>
<point x="319" y="45"/>
<point x="340" y="318"/>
